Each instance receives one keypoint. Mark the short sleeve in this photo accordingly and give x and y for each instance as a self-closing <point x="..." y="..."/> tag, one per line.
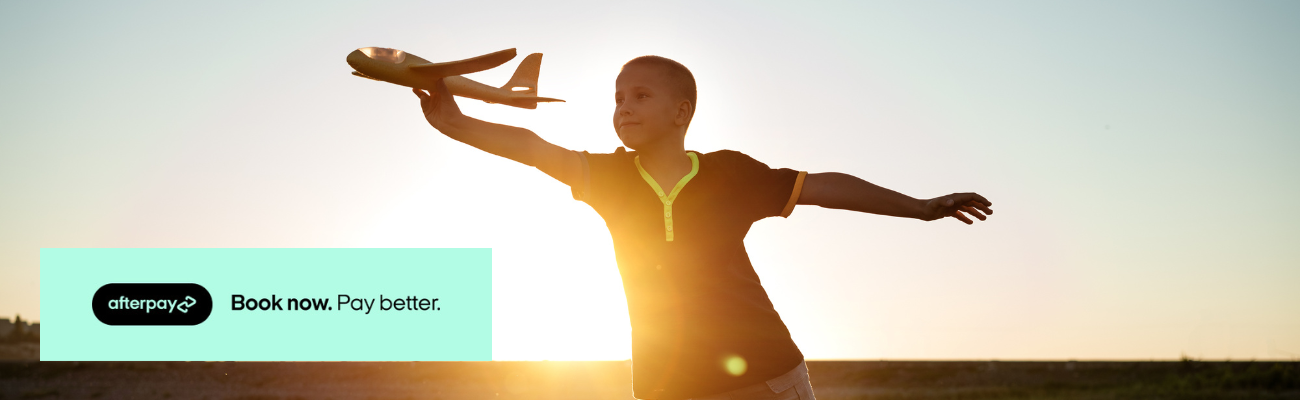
<point x="583" y="188"/>
<point x="600" y="183"/>
<point x="763" y="191"/>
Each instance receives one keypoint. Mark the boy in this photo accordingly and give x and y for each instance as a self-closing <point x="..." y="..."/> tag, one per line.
<point x="702" y="325"/>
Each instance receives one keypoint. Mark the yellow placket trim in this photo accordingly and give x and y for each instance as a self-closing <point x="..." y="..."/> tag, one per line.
<point x="667" y="200"/>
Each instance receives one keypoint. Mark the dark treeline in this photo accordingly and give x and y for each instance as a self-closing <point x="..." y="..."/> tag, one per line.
<point x="20" y="333"/>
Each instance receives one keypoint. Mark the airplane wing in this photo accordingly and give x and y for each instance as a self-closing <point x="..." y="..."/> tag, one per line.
<point x="364" y="76"/>
<point x="466" y="66"/>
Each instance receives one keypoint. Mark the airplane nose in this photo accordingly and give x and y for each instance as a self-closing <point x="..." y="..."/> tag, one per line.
<point x="394" y="56"/>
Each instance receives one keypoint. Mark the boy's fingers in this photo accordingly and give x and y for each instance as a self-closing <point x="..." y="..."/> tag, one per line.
<point x="972" y="211"/>
<point x="980" y="206"/>
<point x="426" y="98"/>
<point x="958" y="215"/>
<point x="965" y="197"/>
<point x="973" y="200"/>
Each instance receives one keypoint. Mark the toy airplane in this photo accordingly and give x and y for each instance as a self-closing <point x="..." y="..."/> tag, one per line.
<point x="402" y="68"/>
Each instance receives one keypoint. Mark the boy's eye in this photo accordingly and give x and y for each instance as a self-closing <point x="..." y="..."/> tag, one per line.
<point x="642" y="96"/>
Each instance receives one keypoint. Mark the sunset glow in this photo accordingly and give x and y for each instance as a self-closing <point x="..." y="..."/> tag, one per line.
<point x="1135" y="152"/>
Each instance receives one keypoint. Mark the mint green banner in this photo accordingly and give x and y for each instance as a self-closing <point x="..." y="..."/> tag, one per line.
<point x="320" y="305"/>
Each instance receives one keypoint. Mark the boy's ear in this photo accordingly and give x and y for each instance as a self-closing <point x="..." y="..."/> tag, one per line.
<point x="685" y="111"/>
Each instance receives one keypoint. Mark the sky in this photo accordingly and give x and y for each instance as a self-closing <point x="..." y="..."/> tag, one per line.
<point x="1140" y="157"/>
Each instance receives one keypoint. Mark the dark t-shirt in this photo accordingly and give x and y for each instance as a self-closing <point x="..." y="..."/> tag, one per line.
<point x="693" y="298"/>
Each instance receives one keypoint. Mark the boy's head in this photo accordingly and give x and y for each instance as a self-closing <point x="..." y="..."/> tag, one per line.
<point x="654" y="100"/>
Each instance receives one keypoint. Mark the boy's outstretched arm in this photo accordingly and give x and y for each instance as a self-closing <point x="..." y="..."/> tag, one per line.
<point x="847" y="192"/>
<point x="515" y="143"/>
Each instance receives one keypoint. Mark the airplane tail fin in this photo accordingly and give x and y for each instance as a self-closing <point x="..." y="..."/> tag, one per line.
<point x="525" y="79"/>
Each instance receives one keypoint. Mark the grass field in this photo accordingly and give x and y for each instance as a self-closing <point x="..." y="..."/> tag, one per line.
<point x="832" y="380"/>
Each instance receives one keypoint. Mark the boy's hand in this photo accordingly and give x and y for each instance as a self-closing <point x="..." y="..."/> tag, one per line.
<point x="955" y="204"/>
<point x="511" y="142"/>
<point x="439" y="107"/>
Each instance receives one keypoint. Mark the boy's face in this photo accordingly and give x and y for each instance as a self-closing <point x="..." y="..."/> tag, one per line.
<point x="646" y="108"/>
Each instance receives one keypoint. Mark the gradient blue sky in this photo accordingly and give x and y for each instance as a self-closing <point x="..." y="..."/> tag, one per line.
<point x="1141" y="156"/>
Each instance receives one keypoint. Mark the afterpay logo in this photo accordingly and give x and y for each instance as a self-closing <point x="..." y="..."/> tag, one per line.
<point x="152" y="304"/>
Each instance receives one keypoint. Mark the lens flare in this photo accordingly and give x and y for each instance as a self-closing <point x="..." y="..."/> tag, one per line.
<point x="735" y="365"/>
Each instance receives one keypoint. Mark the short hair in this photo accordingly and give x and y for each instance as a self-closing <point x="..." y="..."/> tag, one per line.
<point x="677" y="74"/>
